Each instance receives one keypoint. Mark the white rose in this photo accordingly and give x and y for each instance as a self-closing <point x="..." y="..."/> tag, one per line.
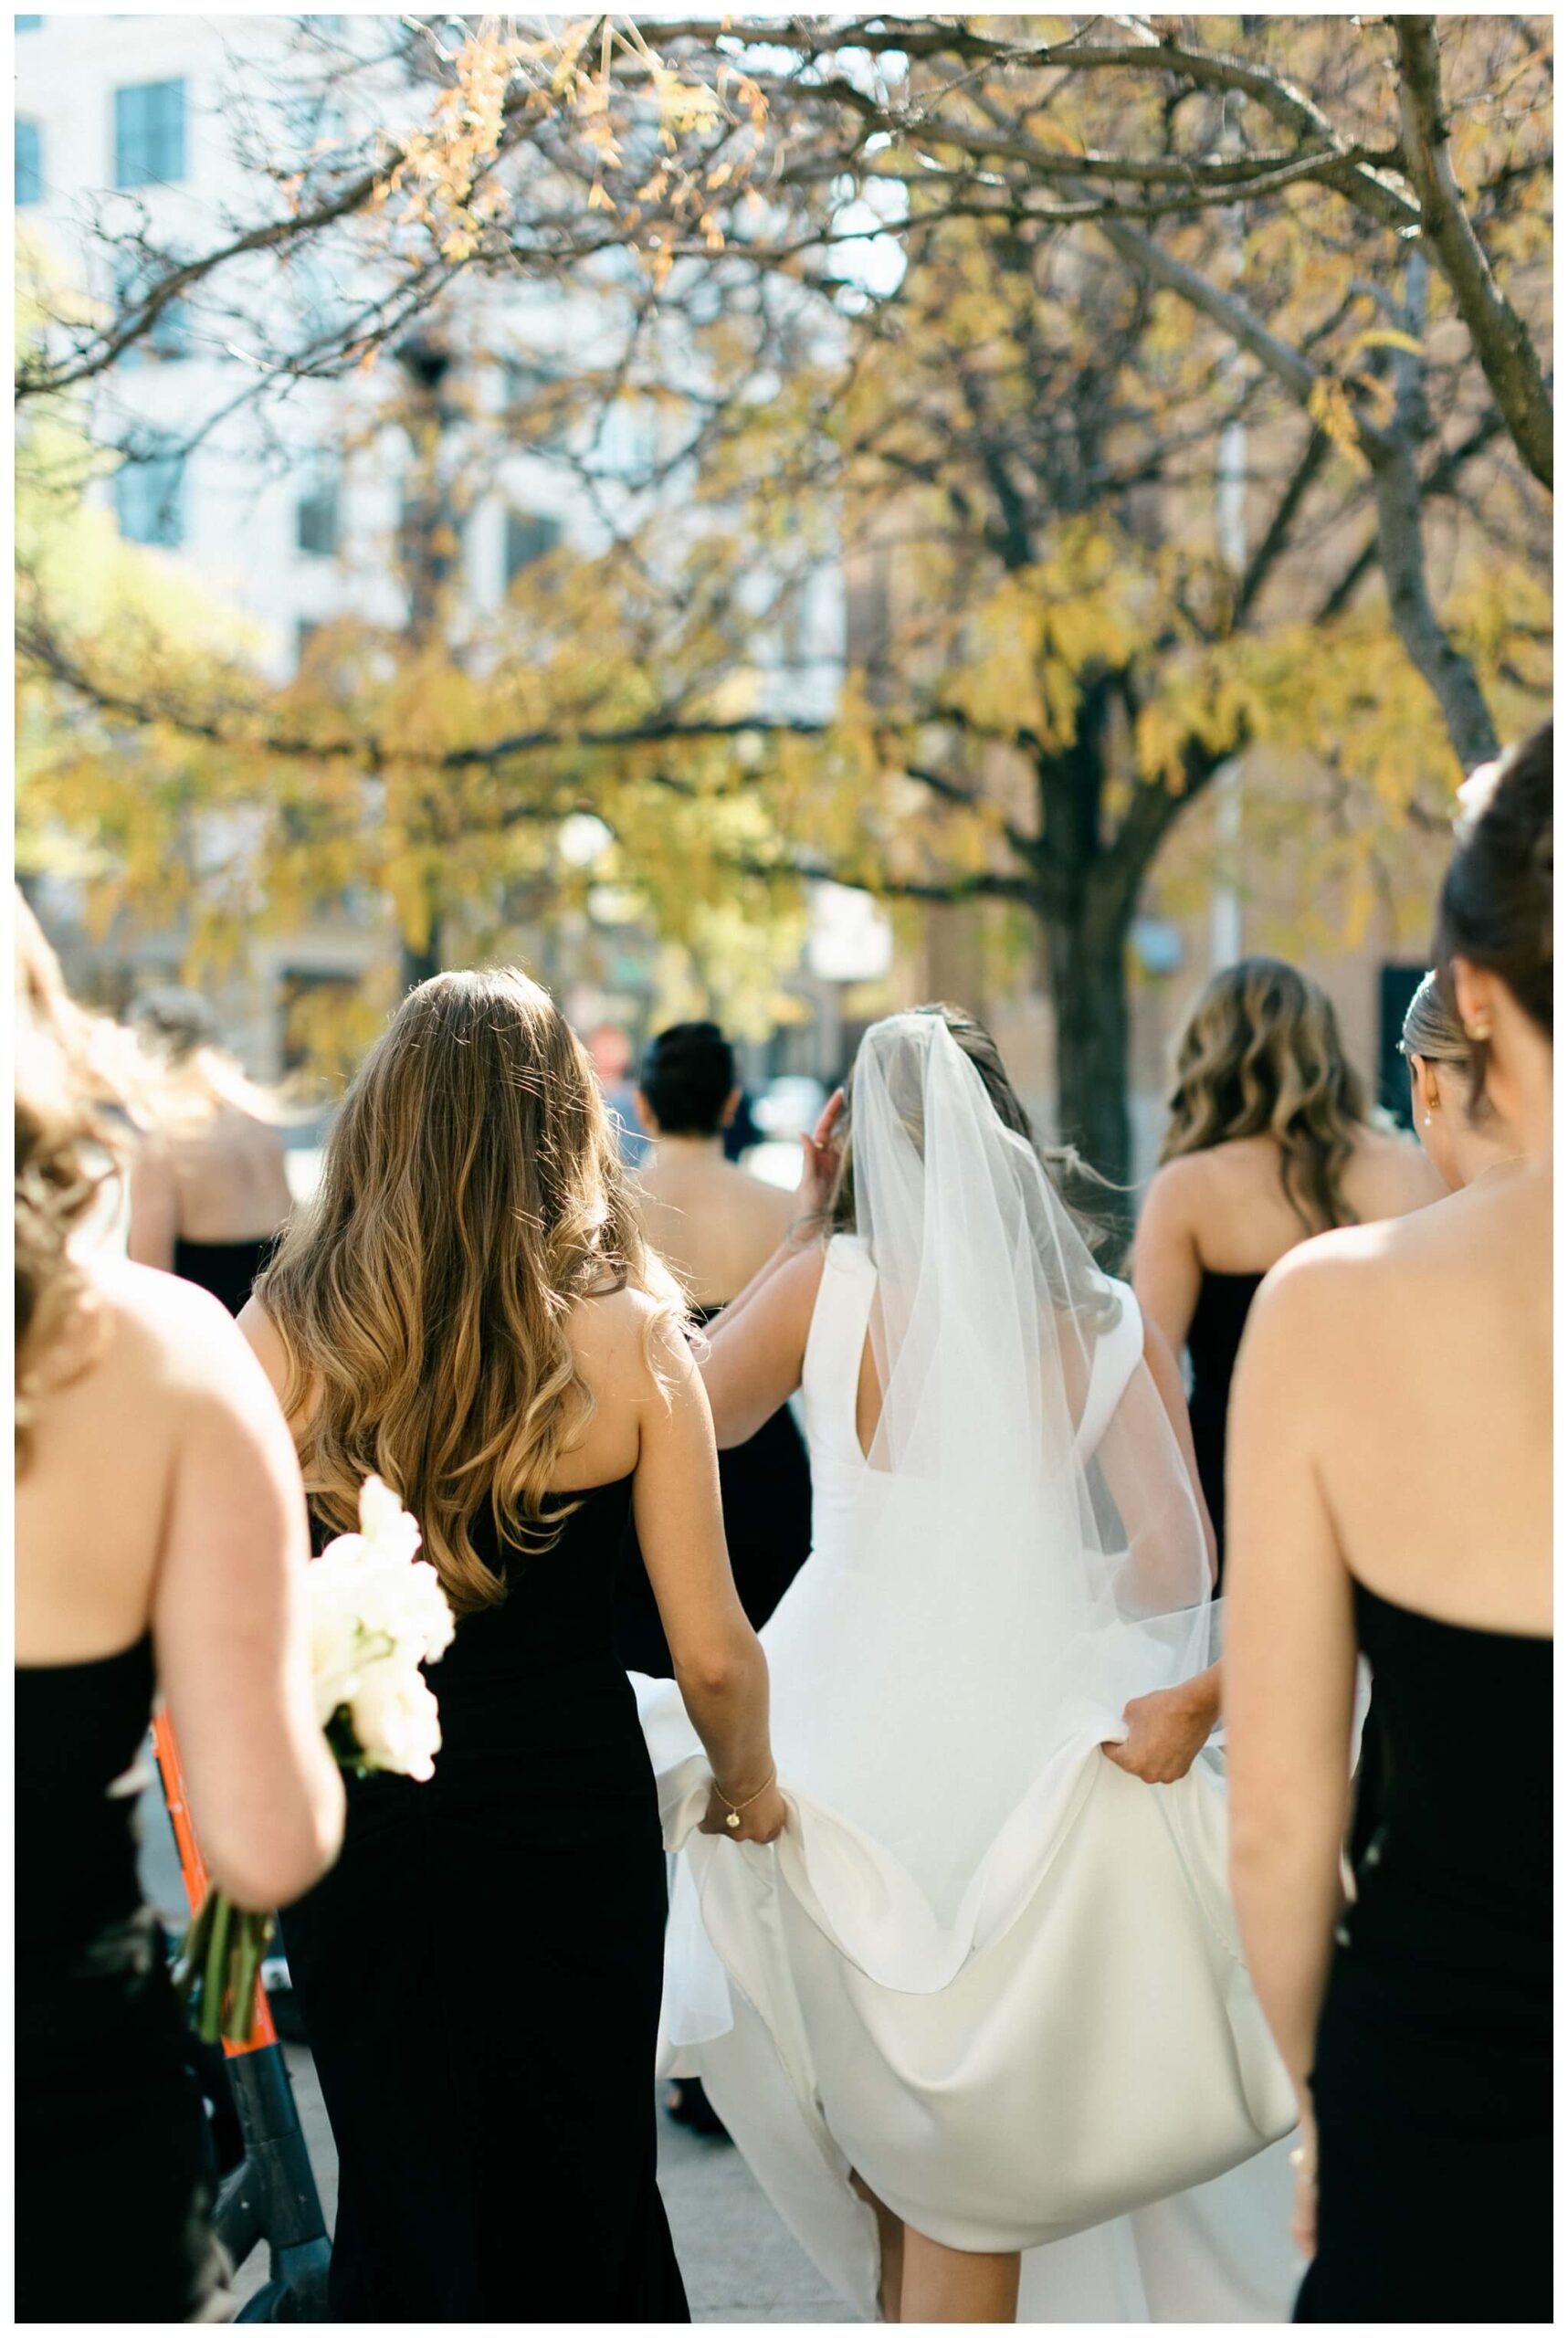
<point x="383" y="1521"/>
<point x="336" y="1642"/>
<point x="396" y="1720"/>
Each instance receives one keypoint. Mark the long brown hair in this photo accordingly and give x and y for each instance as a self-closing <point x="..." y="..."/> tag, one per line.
<point x="65" y="1156"/>
<point x="1261" y="1056"/>
<point x="471" y="1193"/>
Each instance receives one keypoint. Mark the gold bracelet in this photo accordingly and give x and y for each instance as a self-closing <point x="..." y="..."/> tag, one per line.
<point x="735" y="1808"/>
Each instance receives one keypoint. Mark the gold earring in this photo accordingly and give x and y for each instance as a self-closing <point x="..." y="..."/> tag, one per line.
<point x="1479" y="1030"/>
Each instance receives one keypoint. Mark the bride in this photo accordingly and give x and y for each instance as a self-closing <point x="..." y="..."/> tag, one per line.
<point x="978" y="2020"/>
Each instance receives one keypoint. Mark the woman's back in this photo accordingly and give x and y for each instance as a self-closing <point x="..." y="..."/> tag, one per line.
<point x="1233" y="1204"/>
<point x="219" y="1177"/>
<point x="88" y="1541"/>
<point x="713" y="1224"/>
<point x="1423" y="1347"/>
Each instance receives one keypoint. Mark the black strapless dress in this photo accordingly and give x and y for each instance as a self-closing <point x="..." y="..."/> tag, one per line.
<point x="112" y="2195"/>
<point x="1213" y="1338"/>
<point x="227" y="1269"/>
<point x="765" y="1488"/>
<point x="480" y="1975"/>
<point x="1433" y="2075"/>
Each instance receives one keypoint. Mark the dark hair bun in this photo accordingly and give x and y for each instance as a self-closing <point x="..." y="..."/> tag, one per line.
<point x="1496" y="905"/>
<point x="689" y="1075"/>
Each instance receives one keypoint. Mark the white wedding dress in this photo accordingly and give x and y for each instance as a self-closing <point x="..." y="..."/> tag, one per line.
<point x="986" y="1969"/>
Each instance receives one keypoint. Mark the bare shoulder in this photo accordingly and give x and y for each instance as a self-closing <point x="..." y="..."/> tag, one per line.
<point x="616" y="1337"/>
<point x="266" y="1343"/>
<point x="173" y="1347"/>
<point x="1175" y="1193"/>
<point x="164" y="1319"/>
<point x="1323" y="1293"/>
<point x="1395" y="1174"/>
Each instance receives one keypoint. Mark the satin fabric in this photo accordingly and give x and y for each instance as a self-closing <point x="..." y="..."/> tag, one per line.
<point x="1053" y="2048"/>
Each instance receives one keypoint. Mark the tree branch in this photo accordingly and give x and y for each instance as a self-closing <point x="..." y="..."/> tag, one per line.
<point x="1502" y="342"/>
<point x="1276" y="536"/>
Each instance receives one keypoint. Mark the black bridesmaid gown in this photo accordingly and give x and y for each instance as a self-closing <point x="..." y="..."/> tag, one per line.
<point x="765" y="1489"/>
<point x="111" y="2190"/>
<point x="1433" y="2075"/>
<point x="480" y="1974"/>
<point x="225" y="1268"/>
<point x="1213" y="1339"/>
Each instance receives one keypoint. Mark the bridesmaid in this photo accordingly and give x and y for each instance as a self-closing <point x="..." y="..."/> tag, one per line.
<point x="714" y="1227"/>
<point x="467" y="1308"/>
<point x="160" y="1546"/>
<point x="1269" y="1142"/>
<point x="209" y="1188"/>
<point x="1393" y="1492"/>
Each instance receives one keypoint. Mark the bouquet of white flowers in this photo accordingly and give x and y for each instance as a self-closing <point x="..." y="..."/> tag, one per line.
<point x="376" y="1615"/>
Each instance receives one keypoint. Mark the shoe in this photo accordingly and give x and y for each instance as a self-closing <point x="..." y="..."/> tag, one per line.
<point x="688" y="2105"/>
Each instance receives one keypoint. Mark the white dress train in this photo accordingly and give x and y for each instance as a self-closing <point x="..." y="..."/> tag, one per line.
<point x="990" y="1972"/>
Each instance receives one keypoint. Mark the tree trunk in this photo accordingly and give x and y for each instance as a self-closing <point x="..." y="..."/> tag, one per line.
<point x="1086" y="957"/>
<point x="418" y="966"/>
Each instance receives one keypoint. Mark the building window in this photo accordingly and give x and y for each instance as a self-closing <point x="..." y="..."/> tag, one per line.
<point x="150" y="500"/>
<point x="150" y="133"/>
<point x="29" y="178"/>
<point x="528" y="536"/>
<point x="316" y="520"/>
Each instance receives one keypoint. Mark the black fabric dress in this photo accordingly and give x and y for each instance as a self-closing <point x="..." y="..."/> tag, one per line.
<point x="225" y="1268"/>
<point x="1432" y="2074"/>
<point x="111" y="2193"/>
<point x="481" y="1976"/>
<point x="1213" y="1338"/>
<point x="765" y="1488"/>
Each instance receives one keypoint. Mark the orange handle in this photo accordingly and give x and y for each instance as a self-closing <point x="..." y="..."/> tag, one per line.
<point x="193" y="1869"/>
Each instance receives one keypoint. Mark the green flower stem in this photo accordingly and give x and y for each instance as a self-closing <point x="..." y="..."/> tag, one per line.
<point x="253" y="1933"/>
<point x="215" y="1969"/>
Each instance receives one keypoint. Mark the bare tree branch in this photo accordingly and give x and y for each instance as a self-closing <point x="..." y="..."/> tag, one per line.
<point x="1502" y="340"/>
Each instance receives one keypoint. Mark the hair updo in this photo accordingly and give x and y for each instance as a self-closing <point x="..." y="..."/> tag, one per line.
<point x="1431" y="1030"/>
<point x="173" y="1023"/>
<point x="1495" y="908"/>
<point x="689" y="1077"/>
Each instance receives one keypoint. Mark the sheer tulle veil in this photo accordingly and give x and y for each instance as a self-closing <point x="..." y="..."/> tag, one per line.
<point x="1035" y="1519"/>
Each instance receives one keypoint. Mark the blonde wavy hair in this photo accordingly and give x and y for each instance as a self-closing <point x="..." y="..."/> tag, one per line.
<point x="1261" y="1056"/>
<point x="471" y="1194"/>
<point x="177" y="1034"/>
<point x="66" y="1153"/>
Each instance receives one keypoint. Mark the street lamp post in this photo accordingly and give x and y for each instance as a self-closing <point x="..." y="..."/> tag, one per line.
<point x="426" y="531"/>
